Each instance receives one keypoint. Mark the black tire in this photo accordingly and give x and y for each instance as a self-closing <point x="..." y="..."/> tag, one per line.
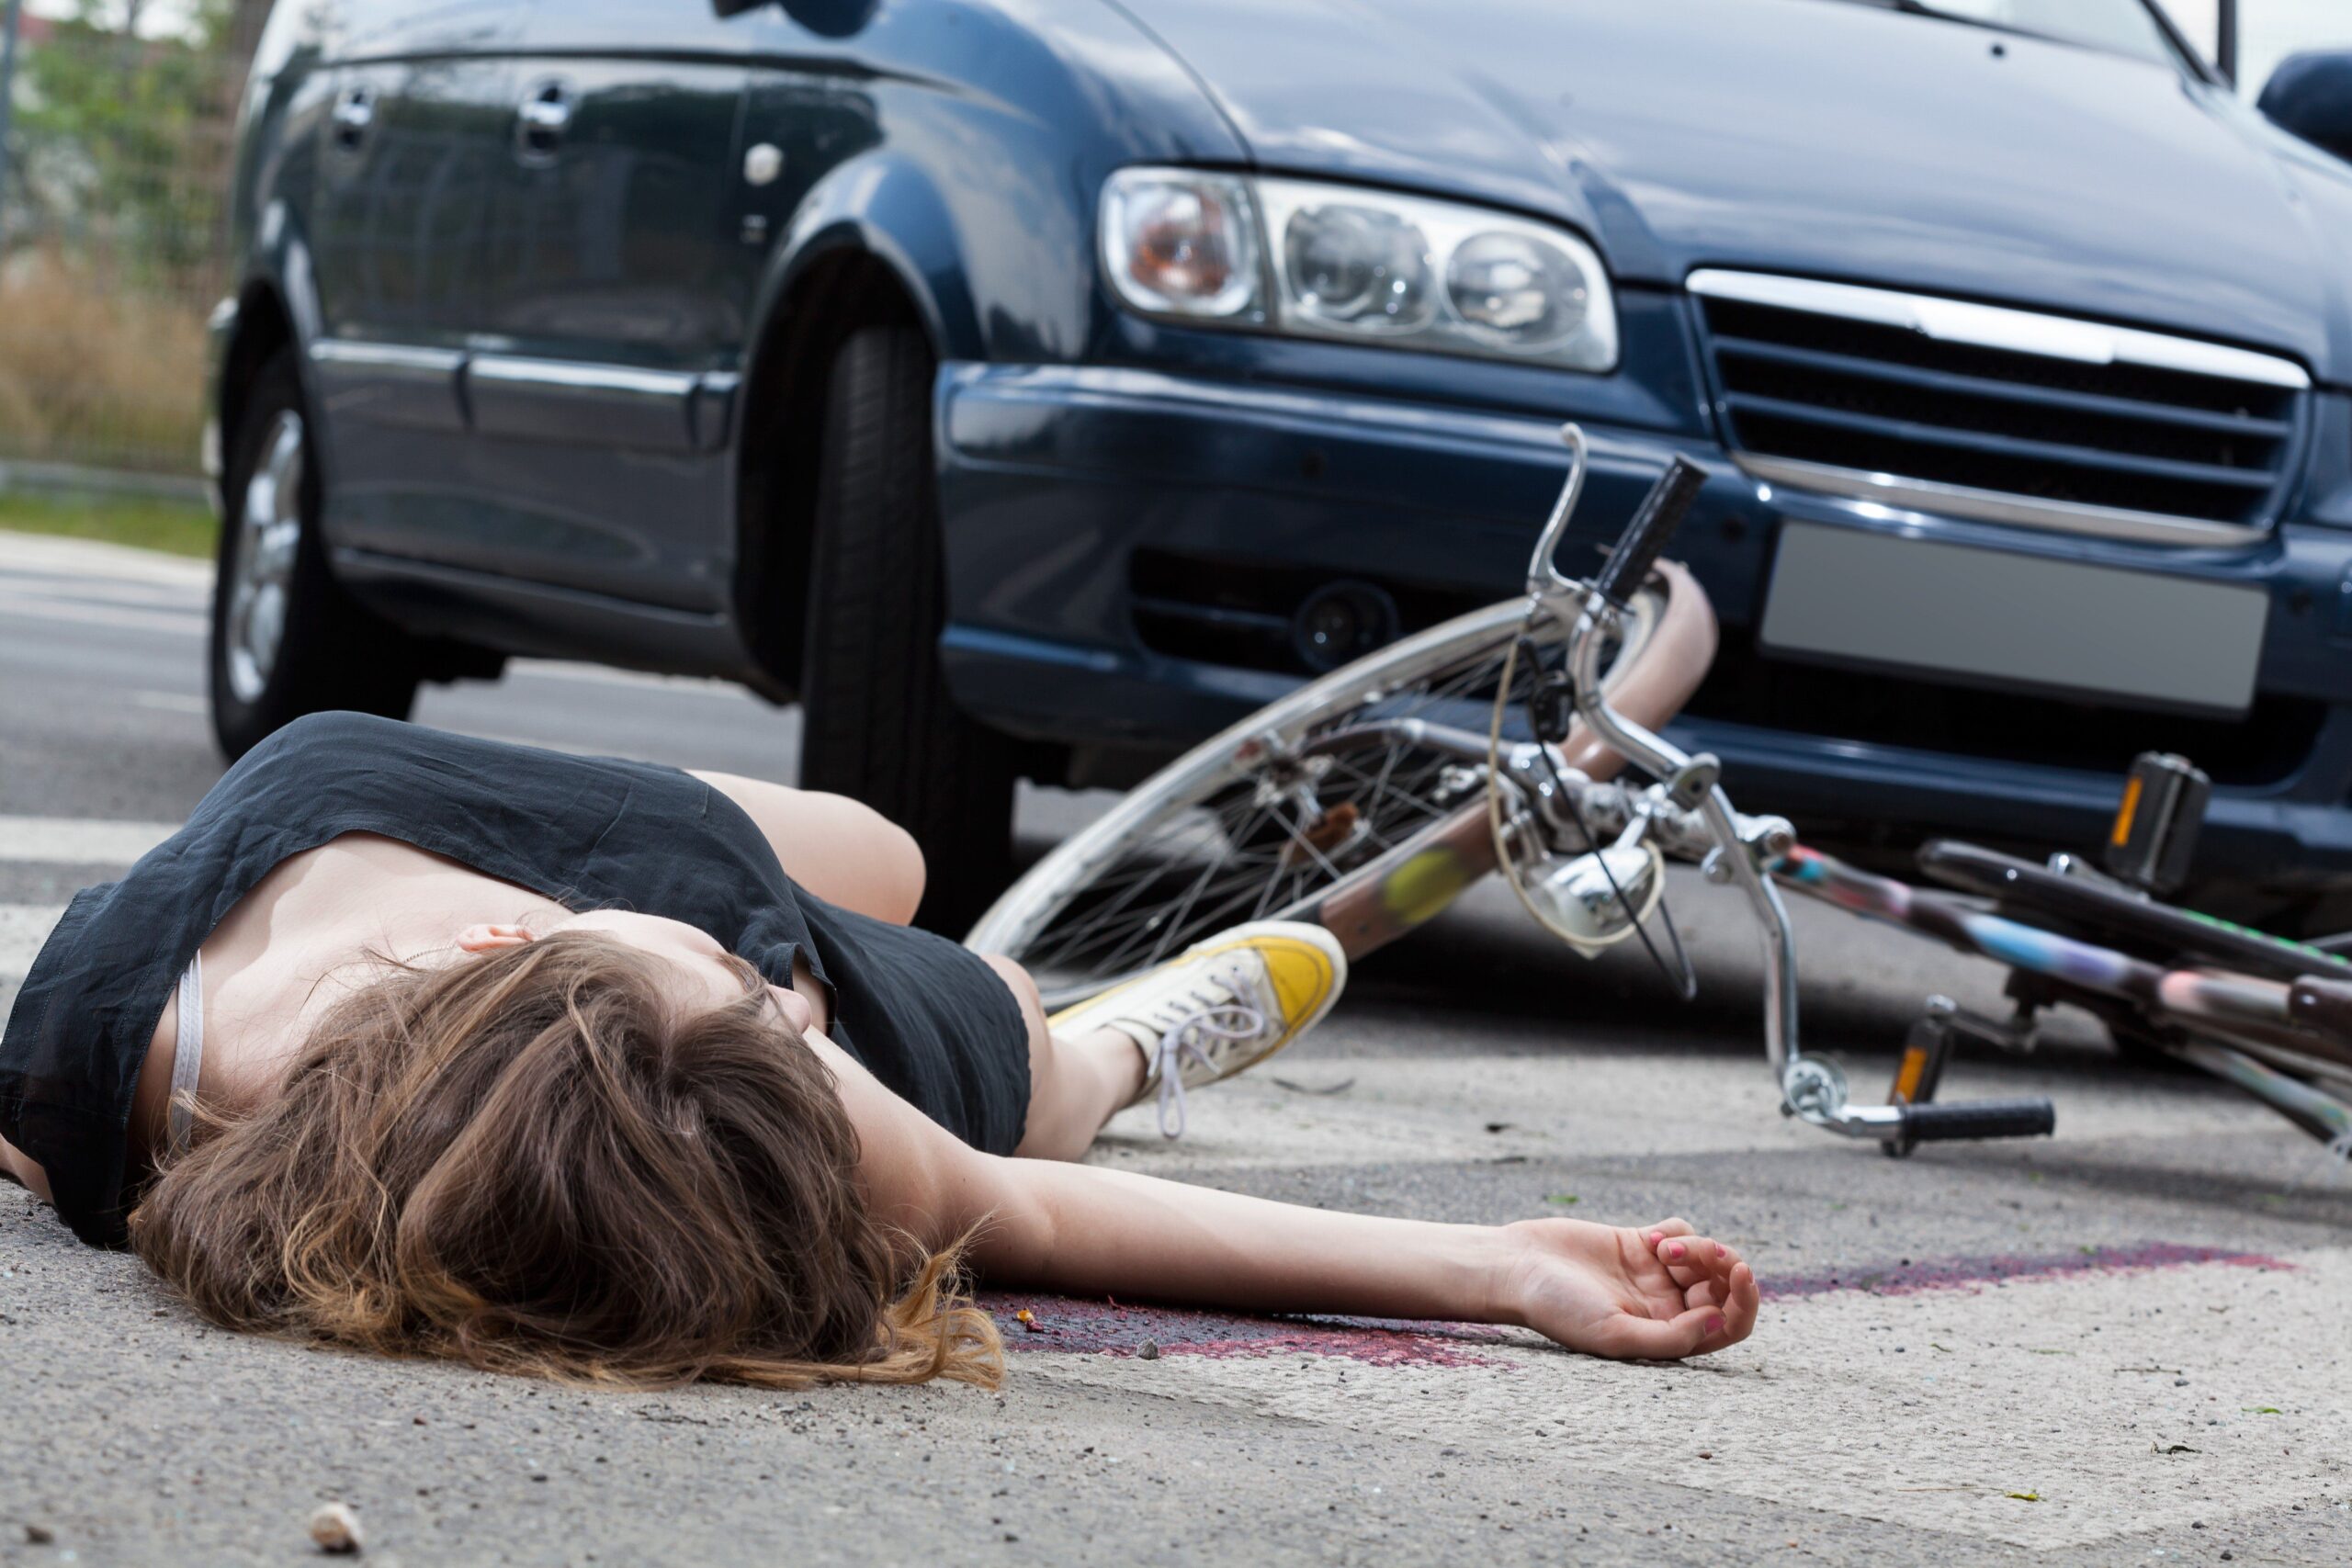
<point x="333" y="652"/>
<point x="878" y="723"/>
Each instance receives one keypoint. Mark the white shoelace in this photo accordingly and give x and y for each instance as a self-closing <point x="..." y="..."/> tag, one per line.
<point x="1184" y="1040"/>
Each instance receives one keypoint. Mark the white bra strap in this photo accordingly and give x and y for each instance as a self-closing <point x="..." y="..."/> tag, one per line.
<point x="188" y="1059"/>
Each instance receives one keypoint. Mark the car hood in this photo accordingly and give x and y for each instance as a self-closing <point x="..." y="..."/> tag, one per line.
<point x="1807" y="136"/>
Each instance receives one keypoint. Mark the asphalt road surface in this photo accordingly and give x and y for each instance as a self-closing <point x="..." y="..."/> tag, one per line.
<point x="2130" y="1344"/>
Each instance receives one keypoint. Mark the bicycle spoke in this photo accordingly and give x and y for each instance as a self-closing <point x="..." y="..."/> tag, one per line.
<point x="1276" y="834"/>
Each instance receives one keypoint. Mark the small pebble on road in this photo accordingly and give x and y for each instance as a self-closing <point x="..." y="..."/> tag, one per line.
<point x="335" y="1527"/>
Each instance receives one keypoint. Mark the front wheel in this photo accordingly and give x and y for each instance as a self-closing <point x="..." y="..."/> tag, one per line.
<point x="287" y="640"/>
<point x="878" y="724"/>
<point x="1258" y="823"/>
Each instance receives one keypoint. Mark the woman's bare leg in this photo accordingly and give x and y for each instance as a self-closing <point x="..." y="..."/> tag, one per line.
<point x="1075" y="1085"/>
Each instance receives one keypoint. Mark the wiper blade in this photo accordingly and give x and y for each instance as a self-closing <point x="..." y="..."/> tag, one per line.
<point x="1923" y="8"/>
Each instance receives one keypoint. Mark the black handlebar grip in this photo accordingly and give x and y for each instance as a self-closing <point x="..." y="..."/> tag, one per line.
<point x="1979" y="1119"/>
<point x="1655" y="520"/>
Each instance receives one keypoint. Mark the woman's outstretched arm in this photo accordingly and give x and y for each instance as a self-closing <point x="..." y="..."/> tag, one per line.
<point x="1661" y="1290"/>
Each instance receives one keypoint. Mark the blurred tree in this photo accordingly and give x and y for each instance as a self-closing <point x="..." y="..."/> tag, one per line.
<point x="125" y="138"/>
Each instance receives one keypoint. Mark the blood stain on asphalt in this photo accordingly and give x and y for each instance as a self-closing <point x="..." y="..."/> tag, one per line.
<point x="1109" y="1328"/>
<point x="1970" y="1273"/>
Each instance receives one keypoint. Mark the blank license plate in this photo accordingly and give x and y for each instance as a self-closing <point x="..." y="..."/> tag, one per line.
<point x="1842" y="595"/>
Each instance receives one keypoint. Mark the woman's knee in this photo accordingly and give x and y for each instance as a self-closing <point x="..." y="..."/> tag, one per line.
<point x="899" y="869"/>
<point x="883" y="859"/>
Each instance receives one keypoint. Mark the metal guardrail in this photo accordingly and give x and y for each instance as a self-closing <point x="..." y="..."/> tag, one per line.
<point x="73" y="480"/>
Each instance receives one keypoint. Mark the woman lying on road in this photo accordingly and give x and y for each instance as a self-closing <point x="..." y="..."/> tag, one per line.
<point x="606" y="1071"/>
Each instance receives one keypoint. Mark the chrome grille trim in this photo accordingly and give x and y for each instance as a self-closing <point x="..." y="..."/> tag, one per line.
<point x="1995" y="326"/>
<point x="1999" y="415"/>
<point x="1993" y="506"/>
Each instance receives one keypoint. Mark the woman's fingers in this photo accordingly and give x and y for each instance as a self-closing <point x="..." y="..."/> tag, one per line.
<point x="1747" y="1299"/>
<point x="1692" y="1259"/>
<point x="1707" y="1292"/>
<point x="1627" y="1337"/>
<point x="1704" y="1327"/>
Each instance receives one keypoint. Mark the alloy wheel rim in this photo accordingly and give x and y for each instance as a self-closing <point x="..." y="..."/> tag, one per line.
<point x="270" y="531"/>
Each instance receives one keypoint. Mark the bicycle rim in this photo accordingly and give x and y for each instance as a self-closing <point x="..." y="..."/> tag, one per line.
<point x="1224" y="835"/>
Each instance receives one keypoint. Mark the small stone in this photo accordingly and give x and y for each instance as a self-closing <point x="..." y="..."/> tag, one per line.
<point x="1706" y="1453"/>
<point x="335" y="1527"/>
<point x="1149" y="1351"/>
<point x="39" y="1535"/>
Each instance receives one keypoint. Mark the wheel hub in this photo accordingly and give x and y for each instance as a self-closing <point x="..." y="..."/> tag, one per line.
<point x="269" y="533"/>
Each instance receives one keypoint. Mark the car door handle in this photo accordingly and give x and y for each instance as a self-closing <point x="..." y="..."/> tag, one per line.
<point x="540" y="122"/>
<point x="355" y="111"/>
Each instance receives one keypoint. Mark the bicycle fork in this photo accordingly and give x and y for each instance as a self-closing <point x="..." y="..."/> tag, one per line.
<point x="1812" y="1087"/>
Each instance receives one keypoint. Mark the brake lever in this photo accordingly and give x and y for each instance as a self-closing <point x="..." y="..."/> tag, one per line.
<point x="1544" y="577"/>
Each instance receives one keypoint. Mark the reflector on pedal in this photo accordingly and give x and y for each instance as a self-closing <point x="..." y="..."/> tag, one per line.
<point x="2153" y="839"/>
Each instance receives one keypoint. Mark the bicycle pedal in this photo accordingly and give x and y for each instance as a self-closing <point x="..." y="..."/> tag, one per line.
<point x="1925" y="1051"/>
<point x="2153" y="839"/>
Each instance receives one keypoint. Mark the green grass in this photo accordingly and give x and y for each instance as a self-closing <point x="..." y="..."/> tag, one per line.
<point x="169" y="526"/>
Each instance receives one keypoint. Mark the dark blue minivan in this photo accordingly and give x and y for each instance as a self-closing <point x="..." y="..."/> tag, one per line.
<point x="1029" y="387"/>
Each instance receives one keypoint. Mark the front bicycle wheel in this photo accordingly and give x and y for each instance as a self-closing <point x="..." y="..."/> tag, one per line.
<point x="1260" y="823"/>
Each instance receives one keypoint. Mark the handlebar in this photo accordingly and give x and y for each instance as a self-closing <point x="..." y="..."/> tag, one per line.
<point x="1811" y="1088"/>
<point x="1655" y="520"/>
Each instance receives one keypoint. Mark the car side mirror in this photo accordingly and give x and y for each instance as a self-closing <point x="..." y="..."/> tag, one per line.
<point x="2311" y="95"/>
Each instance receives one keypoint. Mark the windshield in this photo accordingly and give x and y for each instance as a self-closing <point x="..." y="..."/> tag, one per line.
<point x="2120" y="27"/>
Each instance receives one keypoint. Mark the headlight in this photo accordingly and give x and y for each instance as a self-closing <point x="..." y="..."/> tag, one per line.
<point x="1354" y="265"/>
<point x="1181" y="244"/>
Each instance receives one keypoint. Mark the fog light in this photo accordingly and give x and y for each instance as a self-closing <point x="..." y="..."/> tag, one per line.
<point x="1342" y="621"/>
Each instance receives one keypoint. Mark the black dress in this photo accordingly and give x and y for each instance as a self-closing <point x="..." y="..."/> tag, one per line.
<point x="925" y="1016"/>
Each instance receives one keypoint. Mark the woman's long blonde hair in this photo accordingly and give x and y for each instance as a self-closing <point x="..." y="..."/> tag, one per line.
<point x="531" y="1162"/>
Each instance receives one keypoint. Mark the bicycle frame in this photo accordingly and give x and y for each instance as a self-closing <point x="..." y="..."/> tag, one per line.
<point x="2233" y="1019"/>
<point x="2254" y="1016"/>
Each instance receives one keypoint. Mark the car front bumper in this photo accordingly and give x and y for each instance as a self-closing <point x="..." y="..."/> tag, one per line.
<point x="1057" y="481"/>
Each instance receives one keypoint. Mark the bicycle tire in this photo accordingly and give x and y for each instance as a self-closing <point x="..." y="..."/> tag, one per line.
<point x="1015" y="925"/>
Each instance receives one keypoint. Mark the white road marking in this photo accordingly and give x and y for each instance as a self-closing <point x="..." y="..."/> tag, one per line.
<point x="39" y="607"/>
<point x="126" y="591"/>
<point x="172" y="702"/>
<point x="87" y="583"/>
<point x="561" y="669"/>
<point x="79" y="841"/>
<point x="44" y="552"/>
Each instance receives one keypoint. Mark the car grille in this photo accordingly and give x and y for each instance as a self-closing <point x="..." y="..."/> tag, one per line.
<point x="1932" y="404"/>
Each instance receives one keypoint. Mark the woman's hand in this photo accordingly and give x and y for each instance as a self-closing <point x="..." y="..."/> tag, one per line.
<point x="1655" y="1294"/>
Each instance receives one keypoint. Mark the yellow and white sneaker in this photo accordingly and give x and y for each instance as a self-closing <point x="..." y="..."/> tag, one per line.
<point x="1226" y="1004"/>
